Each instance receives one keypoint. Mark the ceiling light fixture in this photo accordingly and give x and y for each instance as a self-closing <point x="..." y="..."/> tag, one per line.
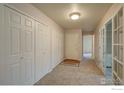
<point x="75" y="16"/>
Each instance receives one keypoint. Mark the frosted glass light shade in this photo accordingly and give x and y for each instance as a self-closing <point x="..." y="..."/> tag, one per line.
<point x="75" y="16"/>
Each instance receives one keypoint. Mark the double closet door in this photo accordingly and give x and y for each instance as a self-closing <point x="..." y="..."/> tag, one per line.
<point x="19" y="48"/>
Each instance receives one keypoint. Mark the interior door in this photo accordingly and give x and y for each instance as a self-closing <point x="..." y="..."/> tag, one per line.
<point x="42" y="50"/>
<point x="19" y="37"/>
<point x="27" y="42"/>
<point x="47" y="48"/>
<point x="13" y="46"/>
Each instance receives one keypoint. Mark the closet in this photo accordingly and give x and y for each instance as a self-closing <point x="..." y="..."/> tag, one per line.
<point x="118" y="48"/>
<point x="28" y="47"/>
<point x="19" y="47"/>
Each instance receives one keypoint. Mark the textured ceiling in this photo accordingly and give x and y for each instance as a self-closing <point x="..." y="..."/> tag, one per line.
<point x="91" y="14"/>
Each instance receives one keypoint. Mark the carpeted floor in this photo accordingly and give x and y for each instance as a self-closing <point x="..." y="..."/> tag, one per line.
<point x="86" y="74"/>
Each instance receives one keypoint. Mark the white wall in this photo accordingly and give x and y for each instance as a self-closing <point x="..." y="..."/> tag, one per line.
<point x="73" y="44"/>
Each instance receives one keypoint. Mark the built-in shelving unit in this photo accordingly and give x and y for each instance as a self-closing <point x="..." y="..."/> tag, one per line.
<point x="118" y="49"/>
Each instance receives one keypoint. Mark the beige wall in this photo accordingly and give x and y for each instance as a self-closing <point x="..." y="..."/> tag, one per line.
<point x="73" y="44"/>
<point x="110" y="13"/>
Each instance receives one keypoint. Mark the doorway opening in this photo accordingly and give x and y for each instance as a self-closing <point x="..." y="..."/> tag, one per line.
<point x="107" y="54"/>
<point x="87" y="46"/>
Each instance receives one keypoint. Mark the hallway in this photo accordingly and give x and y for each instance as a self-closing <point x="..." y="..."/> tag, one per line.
<point x="86" y="74"/>
<point x="35" y="40"/>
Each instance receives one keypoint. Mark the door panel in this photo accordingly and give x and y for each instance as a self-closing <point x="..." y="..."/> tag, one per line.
<point x="13" y="51"/>
<point x="28" y="49"/>
<point x="28" y="41"/>
<point x="39" y="51"/>
<point x="14" y="75"/>
<point x="15" y="17"/>
<point x="42" y="50"/>
<point x="28" y="71"/>
<point x="15" y="41"/>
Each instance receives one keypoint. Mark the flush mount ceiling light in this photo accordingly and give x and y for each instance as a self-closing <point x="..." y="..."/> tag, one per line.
<point x="75" y="16"/>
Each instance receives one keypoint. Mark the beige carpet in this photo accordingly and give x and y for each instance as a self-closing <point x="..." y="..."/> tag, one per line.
<point x="86" y="74"/>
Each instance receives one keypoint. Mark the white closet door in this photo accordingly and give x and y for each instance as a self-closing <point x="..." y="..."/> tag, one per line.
<point x="13" y="46"/>
<point x="27" y="42"/>
<point x="42" y="50"/>
<point x="19" y="48"/>
<point x="47" y="48"/>
<point x="53" y="49"/>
